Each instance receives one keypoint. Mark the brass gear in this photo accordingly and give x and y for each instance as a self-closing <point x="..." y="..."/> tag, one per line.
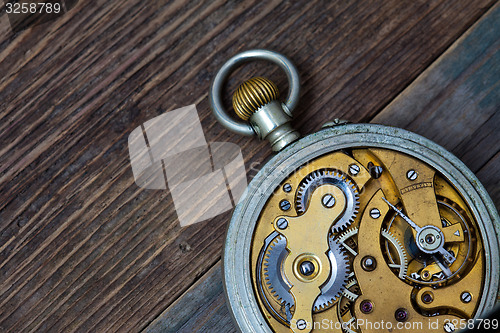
<point x="320" y="177"/>
<point x="278" y="286"/>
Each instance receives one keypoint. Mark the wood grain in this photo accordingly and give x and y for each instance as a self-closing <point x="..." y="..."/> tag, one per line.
<point x="201" y="309"/>
<point x="82" y="248"/>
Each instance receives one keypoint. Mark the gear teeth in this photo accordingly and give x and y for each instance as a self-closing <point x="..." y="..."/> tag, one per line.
<point x="351" y="283"/>
<point x="347" y="234"/>
<point x="336" y="286"/>
<point x="401" y="252"/>
<point x="314" y="177"/>
<point x="349" y="295"/>
<point x="320" y="177"/>
<point x="346" y="307"/>
<point x="333" y="288"/>
<point x="274" y="281"/>
<point x="349" y="301"/>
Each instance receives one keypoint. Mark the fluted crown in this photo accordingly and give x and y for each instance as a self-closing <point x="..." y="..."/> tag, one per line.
<point x="252" y="94"/>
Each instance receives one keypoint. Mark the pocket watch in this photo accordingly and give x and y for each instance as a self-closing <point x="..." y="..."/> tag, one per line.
<point x="354" y="228"/>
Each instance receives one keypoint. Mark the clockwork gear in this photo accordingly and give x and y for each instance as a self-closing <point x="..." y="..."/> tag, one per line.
<point x="378" y="243"/>
<point x="320" y="177"/>
<point x="401" y="264"/>
<point x="351" y="290"/>
<point x="433" y="269"/>
<point x="278" y="285"/>
<point x="345" y="313"/>
<point x="275" y="280"/>
<point x="339" y="271"/>
<point x="343" y="240"/>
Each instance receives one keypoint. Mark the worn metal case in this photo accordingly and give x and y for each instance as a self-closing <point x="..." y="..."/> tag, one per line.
<point x="240" y="293"/>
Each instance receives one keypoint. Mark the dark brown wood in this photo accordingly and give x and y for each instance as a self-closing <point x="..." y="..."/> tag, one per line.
<point x="82" y="248"/>
<point x="201" y="309"/>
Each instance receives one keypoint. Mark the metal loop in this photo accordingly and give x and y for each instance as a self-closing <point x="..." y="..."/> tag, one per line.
<point x="241" y="127"/>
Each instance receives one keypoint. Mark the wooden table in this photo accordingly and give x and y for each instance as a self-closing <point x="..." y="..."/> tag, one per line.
<point x="83" y="248"/>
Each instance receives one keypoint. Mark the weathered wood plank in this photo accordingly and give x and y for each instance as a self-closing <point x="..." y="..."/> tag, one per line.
<point x="488" y="175"/>
<point x="81" y="247"/>
<point x="201" y="309"/>
<point x="473" y="59"/>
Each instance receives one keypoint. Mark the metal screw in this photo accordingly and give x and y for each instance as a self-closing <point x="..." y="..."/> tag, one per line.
<point x="368" y="263"/>
<point x="335" y="122"/>
<point x="430" y="239"/>
<point x="466" y="297"/>
<point x="375" y="170"/>
<point x="301" y="324"/>
<point x="285" y="205"/>
<point x="427" y="297"/>
<point x="328" y="200"/>
<point x="287" y="187"/>
<point x="282" y="223"/>
<point x="411" y="174"/>
<point x="375" y="213"/>
<point x="401" y="314"/>
<point x="306" y="268"/>
<point x="366" y="306"/>
<point x="354" y="169"/>
<point x="449" y="327"/>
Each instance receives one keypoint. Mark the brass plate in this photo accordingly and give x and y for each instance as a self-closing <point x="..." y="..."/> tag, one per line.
<point x="427" y="199"/>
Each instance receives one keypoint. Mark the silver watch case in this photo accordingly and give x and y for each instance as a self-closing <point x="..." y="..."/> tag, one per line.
<point x="239" y="290"/>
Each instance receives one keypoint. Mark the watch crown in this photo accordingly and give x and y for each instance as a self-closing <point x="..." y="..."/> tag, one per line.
<point x="253" y="94"/>
<point x="256" y="101"/>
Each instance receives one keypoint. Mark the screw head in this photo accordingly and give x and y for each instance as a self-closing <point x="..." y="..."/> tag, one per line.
<point x="411" y="174"/>
<point x="354" y="169"/>
<point x="427" y="297"/>
<point x="285" y="205"/>
<point x="449" y="327"/>
<point x="401" y="314"/>
<point x="466" y="297"/>
<point x="328" y="200"/>
<point x="368" y="263"/>
<point x="430" y="239"/>
<point x="335" y="122"/>
<point x="375" y="213"/>
<point x="307" y="268"/>
<point x="287" y="187"/>
<point x="282" y="223"/>
<point x="301" y="324"/>
<point x="366" y="306"/>
<point x="375" y="170"/>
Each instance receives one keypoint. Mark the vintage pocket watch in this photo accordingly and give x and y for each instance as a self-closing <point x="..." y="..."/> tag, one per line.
<point x="354" y="228"/>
